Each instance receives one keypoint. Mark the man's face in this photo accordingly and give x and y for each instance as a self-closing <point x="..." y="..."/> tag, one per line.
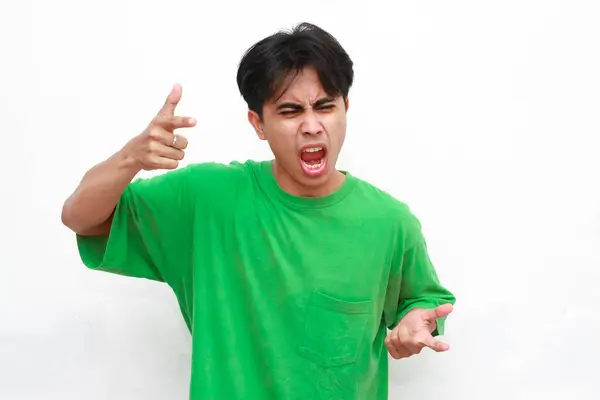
<point x="305" y="129"/>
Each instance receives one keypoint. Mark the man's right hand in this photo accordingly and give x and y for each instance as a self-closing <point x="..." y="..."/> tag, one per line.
<point x="159" y="147"/>
<point x="88" y="211"/>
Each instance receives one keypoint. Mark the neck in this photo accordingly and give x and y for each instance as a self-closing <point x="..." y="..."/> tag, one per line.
<point x="334" y="181"/>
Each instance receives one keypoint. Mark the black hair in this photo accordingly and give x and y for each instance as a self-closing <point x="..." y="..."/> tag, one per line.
<point x="267" y="65"/>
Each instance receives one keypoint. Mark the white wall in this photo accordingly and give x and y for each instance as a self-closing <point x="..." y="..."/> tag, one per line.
<point x="482" y="115"/>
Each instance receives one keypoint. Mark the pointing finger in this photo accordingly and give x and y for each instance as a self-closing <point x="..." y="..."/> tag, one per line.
<point x="183" y="122"/>
<point x="435" y="345"/>
<point x="171" y="123"/>
<point x="168" y="109"/>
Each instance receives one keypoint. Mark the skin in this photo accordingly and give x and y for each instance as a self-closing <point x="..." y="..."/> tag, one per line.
<point x="303" y="114"/>
<point x="414" y="332"/>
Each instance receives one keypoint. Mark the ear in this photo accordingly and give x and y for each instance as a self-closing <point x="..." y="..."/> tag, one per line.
<point x="347" y="103"/>
<point x="256" y="123"/>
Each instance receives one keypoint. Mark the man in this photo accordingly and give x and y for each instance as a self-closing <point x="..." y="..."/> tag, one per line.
<point x="288" y="272"/>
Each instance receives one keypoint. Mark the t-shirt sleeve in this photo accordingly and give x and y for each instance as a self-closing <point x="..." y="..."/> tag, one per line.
<point x="148" y="225"/>
<point x="420" y="286"/>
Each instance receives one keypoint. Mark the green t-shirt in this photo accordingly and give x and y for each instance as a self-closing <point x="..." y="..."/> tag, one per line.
<point x="286" y="297"/>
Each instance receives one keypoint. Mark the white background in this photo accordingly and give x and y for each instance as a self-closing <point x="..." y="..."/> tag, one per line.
<point x="483" y="116"/>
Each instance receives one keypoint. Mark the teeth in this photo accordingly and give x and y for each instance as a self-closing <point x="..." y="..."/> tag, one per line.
<point x="313" y="149"/>
<point x="314" y="166"/>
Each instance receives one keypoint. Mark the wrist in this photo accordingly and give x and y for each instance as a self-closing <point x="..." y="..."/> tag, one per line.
<point x="127" y="163"/>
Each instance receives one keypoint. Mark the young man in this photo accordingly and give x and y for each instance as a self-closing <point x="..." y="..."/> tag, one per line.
<point x="288" y="272"/>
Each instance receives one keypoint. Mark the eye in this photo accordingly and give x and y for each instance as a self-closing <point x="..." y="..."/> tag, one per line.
<point x="288" y="112"/>
<point x="327" y="107"/>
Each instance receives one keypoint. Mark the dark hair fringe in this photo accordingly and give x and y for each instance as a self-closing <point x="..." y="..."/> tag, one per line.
<point x="270" y="63"/>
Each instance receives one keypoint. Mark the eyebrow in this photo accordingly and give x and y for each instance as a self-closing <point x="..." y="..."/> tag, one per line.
<point x="297" y="107"/>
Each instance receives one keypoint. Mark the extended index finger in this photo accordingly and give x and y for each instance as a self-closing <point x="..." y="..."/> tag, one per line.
<point x="168" y="109"/>
<point x="434" y="344"/>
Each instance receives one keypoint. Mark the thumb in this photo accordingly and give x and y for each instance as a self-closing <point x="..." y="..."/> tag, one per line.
<point x="168" y="109"/>
<point x="440" y="311"/>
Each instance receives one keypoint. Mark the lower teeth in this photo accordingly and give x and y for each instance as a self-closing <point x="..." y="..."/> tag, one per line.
<point x="314" y="166"/>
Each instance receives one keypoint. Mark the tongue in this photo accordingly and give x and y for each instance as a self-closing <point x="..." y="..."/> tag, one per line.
<point x="315" y="156"/>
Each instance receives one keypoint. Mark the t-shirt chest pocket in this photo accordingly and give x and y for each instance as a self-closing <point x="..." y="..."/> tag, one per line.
<point x="334" y="329"/>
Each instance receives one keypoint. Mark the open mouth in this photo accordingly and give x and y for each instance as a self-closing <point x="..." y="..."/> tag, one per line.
<point x="313" y="159"/>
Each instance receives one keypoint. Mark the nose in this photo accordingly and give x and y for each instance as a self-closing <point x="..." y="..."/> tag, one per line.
<point x="311" y="123"/>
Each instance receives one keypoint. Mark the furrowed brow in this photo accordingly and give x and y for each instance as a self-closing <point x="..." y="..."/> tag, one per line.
<point x="322" y="101"/>
<point x="297" y="107"/>
<point x="289" y="106"/>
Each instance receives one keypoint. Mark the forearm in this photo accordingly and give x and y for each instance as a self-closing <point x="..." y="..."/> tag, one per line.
<point x="89" y="210"/>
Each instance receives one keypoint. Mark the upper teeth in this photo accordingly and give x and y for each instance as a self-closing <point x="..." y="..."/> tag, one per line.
<point x="313" y="149"/>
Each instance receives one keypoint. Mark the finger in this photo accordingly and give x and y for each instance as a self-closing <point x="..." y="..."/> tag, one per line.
<point x="160" y="135"/>
<point x="158" y="162"/>
<point x="393" y="352"/>
<point x="396" y="342"/>
<point x="404" y="352"/>
<point x="413" y="347"/>
<point x="166" y="151"/>
<point x="170" y="123"/>
<point x="395" y="338"/>
<point x="168" y="109"/>
<point x="434" y="344"/>
<point x="396" y="351"/>
<point x="180" y="142"/>
<point x="168" y="139"/>
<point x="399" y="353"/>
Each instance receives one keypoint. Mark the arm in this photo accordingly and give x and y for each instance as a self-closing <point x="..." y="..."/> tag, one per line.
<point x="89" y="210"/>
<point x="423" y="302"/>
<point x="129" y="227"/>
<point x="420" y="287"/>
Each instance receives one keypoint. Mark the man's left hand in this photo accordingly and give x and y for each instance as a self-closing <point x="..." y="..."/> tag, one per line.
<point x="414" y="332"/>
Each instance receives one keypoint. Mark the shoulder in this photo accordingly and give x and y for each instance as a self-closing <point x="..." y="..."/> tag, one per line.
<point x="220" y="184"/>
<point x="210" y="179"/>
<point x="217" y="173"/>
<point x="210" y="173"/>
<point x="393" y="212"/>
